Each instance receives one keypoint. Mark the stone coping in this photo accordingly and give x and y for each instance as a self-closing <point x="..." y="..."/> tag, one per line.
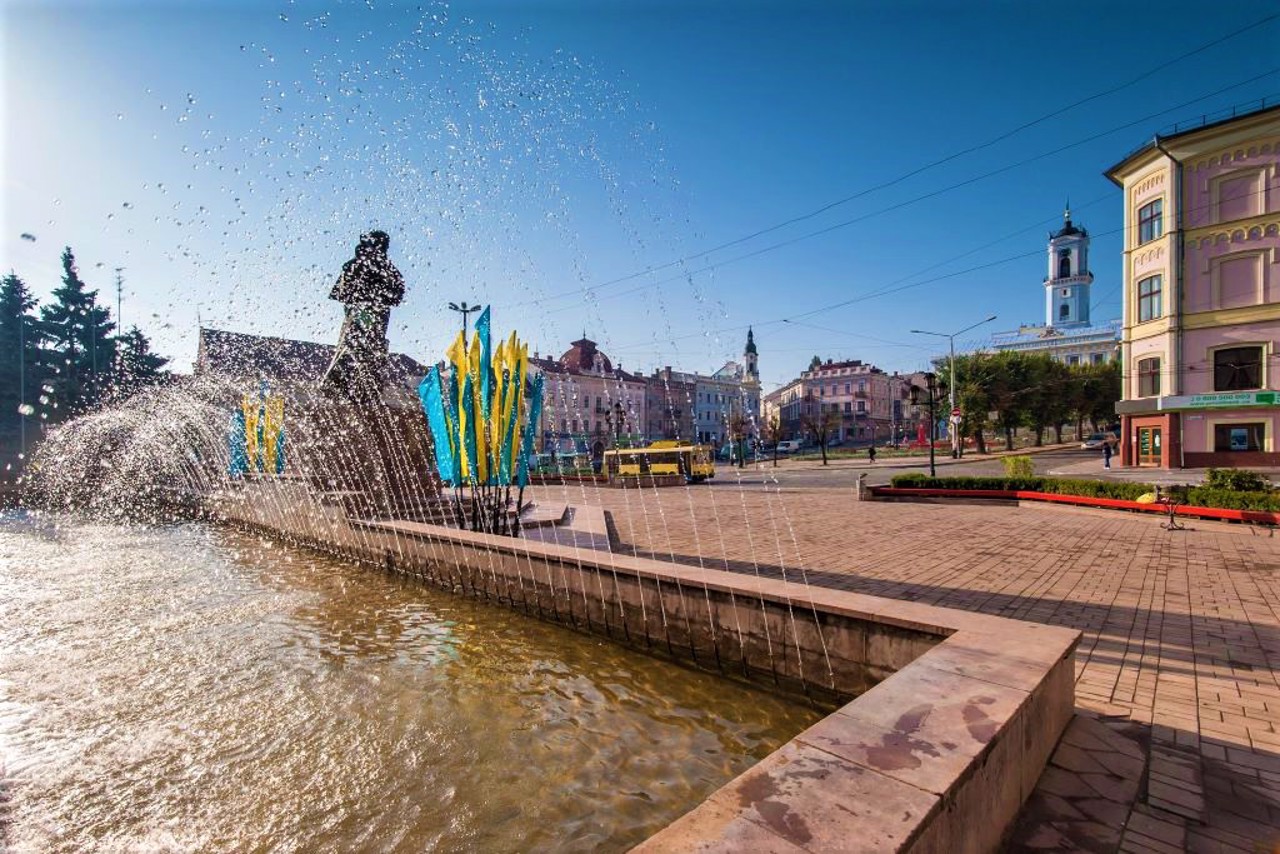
<point x="939" y="756"/>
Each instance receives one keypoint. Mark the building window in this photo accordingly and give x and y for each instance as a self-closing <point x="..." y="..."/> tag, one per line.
<point x="862" y="406"/>
<point x="1097" y="358"/>
<point x="1239" y="437"/>
<point x="1073" y="359"/>
<point x="846" y="406"/>
<point x="1237" y="369"/>
<point x="846" y="388"/>
<point x="1064" y="312"/>
<point x="1149" y="378"/>
<point x="1150" y="221"/>
<point x="1149" y="302"/>
<point x="1064" y="265"/>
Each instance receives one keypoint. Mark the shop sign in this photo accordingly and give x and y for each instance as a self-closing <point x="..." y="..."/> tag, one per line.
<point x="1221" y="400"/>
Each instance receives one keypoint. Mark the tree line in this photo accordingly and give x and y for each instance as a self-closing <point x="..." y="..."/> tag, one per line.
<point x="65" y="358"/>
<point x="1005" y="391"/>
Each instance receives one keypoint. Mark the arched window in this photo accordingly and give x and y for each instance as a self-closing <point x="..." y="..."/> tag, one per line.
<point x="1064" y="264"/>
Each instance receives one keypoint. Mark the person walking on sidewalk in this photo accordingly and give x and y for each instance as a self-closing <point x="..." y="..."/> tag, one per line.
<point x="1106" y="454"/>
<point x="871" y="452"/>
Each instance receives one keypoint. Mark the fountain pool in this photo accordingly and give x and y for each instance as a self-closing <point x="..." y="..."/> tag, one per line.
<point x="190" y="687"/>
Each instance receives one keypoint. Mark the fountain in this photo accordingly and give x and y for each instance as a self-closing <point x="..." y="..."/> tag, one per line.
<point x="923" y="732"/>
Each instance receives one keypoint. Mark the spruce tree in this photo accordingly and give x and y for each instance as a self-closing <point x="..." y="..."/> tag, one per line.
<point x="138" y="365"/>
<point x="80" y="351"/>
<point x="21" y="373"/>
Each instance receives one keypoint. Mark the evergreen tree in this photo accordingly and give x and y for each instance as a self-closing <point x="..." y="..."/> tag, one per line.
<point x="80" y="351"/>
<point x="21" y="373"/>
<point x="138" y="366"/>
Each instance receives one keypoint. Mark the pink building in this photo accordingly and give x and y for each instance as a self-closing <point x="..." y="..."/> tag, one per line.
<point x="1202" y="295"/>
<point x="867" y="403"/>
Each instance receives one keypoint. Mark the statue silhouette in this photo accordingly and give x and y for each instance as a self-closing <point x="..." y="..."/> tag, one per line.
<point x="367" y="288"/>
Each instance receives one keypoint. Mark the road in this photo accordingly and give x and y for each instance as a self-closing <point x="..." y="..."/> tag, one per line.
<point x="804" y="474"/>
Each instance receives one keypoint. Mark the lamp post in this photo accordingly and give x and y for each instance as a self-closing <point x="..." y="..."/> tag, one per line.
<point x="928" y="396"/>
<point x="464" y="310"/>
<point x="956" y="447"/>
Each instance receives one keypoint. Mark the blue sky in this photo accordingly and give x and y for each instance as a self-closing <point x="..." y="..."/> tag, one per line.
<point x="543" y="156"/>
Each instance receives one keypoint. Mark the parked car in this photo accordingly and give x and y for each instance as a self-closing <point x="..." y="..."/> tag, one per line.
<point x="1097" y="440"/>
<point x="789" y="446"/>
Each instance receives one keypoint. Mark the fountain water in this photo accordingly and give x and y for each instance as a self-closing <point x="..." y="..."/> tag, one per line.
<point x="514" y="140"/>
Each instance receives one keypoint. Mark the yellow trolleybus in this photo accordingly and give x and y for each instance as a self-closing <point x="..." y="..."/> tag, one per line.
<point x="692" y="462"/>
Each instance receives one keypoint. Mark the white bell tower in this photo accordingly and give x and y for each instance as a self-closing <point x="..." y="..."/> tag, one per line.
<point x="1067" y="286"/>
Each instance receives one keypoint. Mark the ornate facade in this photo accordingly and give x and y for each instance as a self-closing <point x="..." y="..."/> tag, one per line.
<point x="1202" y="295"/>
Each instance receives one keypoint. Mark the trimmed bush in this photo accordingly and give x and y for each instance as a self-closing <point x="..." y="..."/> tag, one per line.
<point x="1196" y="496"/>
<point x="1054" y="485"/>
<point x="1234" y="499"/>
<point x="1239" y="480"/>
<point x="1019" y="467"/>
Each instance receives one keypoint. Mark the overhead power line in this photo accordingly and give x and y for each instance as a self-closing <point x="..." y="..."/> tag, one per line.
<point x="688" y="275"/>
<point x="923" y="168"/>
<point x="889" y="289"/>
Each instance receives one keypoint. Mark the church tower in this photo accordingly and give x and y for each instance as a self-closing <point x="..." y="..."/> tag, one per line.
<point x="749" y="358"/>
<point x="1066" y="288"/>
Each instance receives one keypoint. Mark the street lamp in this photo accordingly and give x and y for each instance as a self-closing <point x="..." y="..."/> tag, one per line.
<point x="928" y="396"/>
<point x="464" y="310"/>
<point x="957" y="449"/>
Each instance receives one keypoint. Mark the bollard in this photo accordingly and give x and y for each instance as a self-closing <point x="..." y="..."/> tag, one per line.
<point x="860" y="491"/>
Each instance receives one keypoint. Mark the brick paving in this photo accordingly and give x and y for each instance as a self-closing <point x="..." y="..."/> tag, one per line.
<point x="1176" y="745"/>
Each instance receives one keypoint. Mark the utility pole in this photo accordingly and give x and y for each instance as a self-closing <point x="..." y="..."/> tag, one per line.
<point x="464" y="310"/>
<point x="957" y="448"/>
<point x="119" y="301"/>
<point x="119" y="323"/>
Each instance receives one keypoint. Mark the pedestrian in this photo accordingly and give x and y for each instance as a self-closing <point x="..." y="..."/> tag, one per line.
<point x="871" y="452"/>
<point x="1106" y="454"/>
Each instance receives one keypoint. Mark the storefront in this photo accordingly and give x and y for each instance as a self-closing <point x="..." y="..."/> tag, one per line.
<point x="1227" y="429"/>
<point x="1149" y="440"/>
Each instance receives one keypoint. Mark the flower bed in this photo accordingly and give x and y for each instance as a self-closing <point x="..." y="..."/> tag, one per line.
<point x="1260" y="507"/>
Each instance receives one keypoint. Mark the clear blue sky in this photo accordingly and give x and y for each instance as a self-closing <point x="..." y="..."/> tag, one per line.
<point x="540" y="155"/>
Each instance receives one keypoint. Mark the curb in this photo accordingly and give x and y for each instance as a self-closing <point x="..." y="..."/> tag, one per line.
<point x="1254" y="517"/>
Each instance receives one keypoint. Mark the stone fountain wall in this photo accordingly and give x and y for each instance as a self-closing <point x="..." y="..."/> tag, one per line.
<point x="943" y="720"/>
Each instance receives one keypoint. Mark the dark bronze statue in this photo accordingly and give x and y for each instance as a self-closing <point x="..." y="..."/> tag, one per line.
<point x="368" y="287"/>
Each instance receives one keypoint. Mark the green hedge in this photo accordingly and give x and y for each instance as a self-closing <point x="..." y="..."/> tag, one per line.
<point x="1196" y="496"/>
<point x="1231" y="499"/>
<point x="1054" y="485"/>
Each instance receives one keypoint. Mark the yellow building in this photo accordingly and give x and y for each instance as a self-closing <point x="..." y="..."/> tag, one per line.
<point x="1202" y="295"/>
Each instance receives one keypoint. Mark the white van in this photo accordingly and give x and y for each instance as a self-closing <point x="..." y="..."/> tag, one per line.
<point x="789" y="446"/>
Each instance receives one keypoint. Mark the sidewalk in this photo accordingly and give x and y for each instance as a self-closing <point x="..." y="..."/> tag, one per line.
<point x="942" y="457"/>
<point x="1162" y="477"/>
<point x="1177" y="744"/>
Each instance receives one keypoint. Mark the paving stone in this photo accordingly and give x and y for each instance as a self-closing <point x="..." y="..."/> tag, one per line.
<point x="1181" y="641"/>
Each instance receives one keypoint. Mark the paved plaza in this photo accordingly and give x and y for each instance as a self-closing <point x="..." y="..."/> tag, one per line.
<point x="1176" y="745"/>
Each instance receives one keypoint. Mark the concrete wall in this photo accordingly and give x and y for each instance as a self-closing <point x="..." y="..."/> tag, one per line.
<point x="948" y="717"/>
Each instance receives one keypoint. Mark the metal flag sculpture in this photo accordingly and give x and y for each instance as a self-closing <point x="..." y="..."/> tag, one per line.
<point x="482" y="426"/>
<point x="256" y="438"/>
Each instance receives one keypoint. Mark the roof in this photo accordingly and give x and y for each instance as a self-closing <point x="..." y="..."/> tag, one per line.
<point x="239" y="354"/>
<point x="570" y="364"/>
<point x="1179" y="132"/>
<point x="1051" y="336"/>
<point x="581" y="358"/>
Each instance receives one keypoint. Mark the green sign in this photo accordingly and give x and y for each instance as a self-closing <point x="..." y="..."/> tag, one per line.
<point x="1228" y="399"/>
